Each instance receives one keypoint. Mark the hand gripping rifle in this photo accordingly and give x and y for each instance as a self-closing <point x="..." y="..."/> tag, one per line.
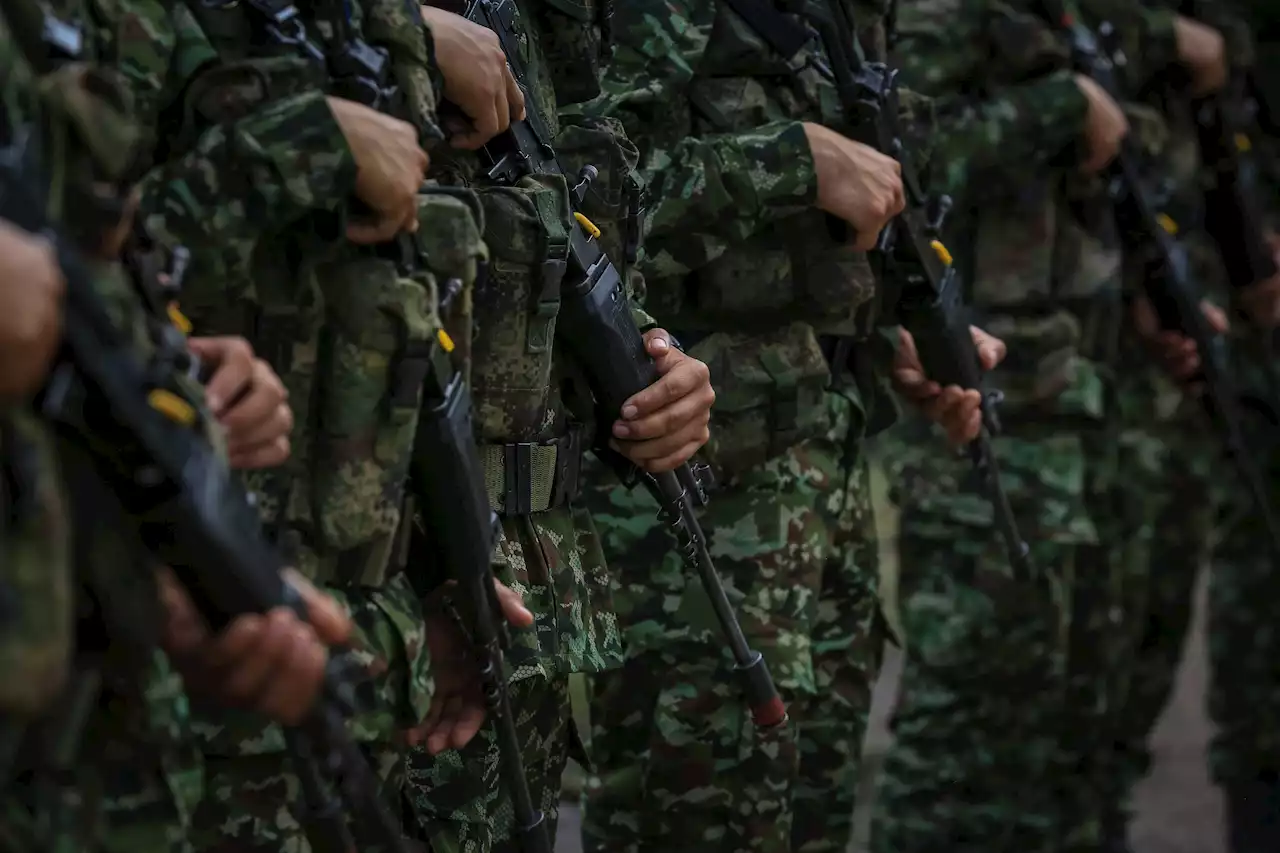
<point x="910" y="260"/>
<point x="133" y="443"/>
<point x="596" y="326"/>
<point x="1168" y="282"/>
<point x="448" y="482"/>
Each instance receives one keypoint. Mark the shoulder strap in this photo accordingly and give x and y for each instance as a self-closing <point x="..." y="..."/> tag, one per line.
<point x="780" y="31"/>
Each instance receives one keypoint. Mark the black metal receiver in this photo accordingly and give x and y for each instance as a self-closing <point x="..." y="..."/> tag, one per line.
<point x="447" y="482"/>
<point x="596" y="327"/>
<point x="912" y="265"/>
<point x="1168" y="283"/>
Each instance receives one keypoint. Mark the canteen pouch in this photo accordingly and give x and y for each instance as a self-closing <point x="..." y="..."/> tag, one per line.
<point x="373" y="354"/>
<point x="770" y="395"/>
<point x="516" y="309"/>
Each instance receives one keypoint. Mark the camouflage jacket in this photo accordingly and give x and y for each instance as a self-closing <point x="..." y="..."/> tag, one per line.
<point x="347" y="330"/>
<point x="526" y="392"/>
<point x="736" y="257"/>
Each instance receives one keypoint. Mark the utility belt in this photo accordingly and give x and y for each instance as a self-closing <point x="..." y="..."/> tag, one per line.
<point x="528" y="477"/>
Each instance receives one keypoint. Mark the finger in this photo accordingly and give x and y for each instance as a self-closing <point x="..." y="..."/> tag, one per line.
<point x="235" y="640"/>
<point x="515" y="97"/>
<point x="325" y="614"/>
<point x="248" y="674"/>
<point x="641" y="452"/>
<point x="292" y="690"/>
<point x="657" y="342"/>
<point x="864" y="239"/>
<point x="501" y="108"/>
<point x="487" y="123"/>
<point x="915" y="386"/>
<point x="991" y="350"/>
<point x="512" y="606"/>
<point x="380" y="230"/>
<point x="259" y="409"/>
<point x="667" y="420"/>
<point x="438" y="740"/>
<point x="231" y="377"/>
<point x="967" y="430"/>
<point x="273" y="454"/>
<point x="675" y="460"/>
<point x="470" y="719"/>
<point x="676" y="384"/>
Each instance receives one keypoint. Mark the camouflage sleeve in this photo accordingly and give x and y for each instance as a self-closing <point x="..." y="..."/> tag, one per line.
<point x="991" y="145"/>
<point x="988" y="138"/>
<point x="1147" y="37"/>
<point x="708" y="193"/>
<point x="270" y="167"/>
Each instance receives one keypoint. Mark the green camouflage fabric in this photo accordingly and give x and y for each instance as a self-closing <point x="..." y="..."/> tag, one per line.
<point x="36" y="580"/>
<point x="742" y="266"/>
<point x="678" y="764"/>
<point x="1023" y="705"/>
<point x="458" y="797"/>
<point x="523" y="388"/>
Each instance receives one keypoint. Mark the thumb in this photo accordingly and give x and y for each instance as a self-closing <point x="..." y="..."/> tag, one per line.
<point x="324" y="613"/>
<point x="512" y="604"/>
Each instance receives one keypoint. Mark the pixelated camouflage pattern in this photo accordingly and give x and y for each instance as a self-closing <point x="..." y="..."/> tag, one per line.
<point x="677" y="763"/>
<point x="36" y="581"/>
<point x="254" y="803"/>
<point x="458" y="798"/>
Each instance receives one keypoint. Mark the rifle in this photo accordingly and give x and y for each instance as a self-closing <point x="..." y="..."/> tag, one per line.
<point x="596" y="326"/>
<point x="1168" y="282"/>
<point x="132" y="439"/>
<point x="448" y="482"/>
<point x="909" y="258"/>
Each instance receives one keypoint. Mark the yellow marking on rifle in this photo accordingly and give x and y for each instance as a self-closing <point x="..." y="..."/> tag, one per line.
<point x="445" y="341"/>
<point x="1167" y="223"/>
<point x="1243" y="143"/>
<point x="941" y="251"/>
<point x="172" y="407"/>
<point x="179" y="319"/>
<point x="587" y="224"/>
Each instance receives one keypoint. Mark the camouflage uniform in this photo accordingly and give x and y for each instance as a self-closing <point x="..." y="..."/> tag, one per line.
<point x="739" y="258"/>
<point x="125" y="793"/>
<point x="352" y="334"/>
<point x="1244" y="699"/>
<point x="531" y="443"/>
<point x="1014" y="725"/>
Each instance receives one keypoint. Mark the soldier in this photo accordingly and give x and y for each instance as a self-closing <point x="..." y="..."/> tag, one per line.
<point x="353" y="326"/>
<point x="1033" y="695"/>
<point x="531" y="440"/>
<point x="747" y="165"/>
<point x="271" y="663"/>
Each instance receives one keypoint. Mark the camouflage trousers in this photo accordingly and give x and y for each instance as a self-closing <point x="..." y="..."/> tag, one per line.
<point x="1244" y="645"/>
<point x="1025" y="702"/>
<point x="677" y="762"/>
<point x="459" y="801"/>
<point x="134" y="784"/>
<point x="255" y="804"/>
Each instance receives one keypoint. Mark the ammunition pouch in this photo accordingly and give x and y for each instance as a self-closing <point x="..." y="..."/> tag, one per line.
<point x="529" y="477"/>
<point x="770" y="395"/>
<point x="613" y="199"/>
<point x="373" y="355"/>
<point x="450" y="238"/>
<point x="526" y="232"/>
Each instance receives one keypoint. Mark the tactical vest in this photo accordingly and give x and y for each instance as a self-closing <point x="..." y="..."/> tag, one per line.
<point x="530" y="444"/>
